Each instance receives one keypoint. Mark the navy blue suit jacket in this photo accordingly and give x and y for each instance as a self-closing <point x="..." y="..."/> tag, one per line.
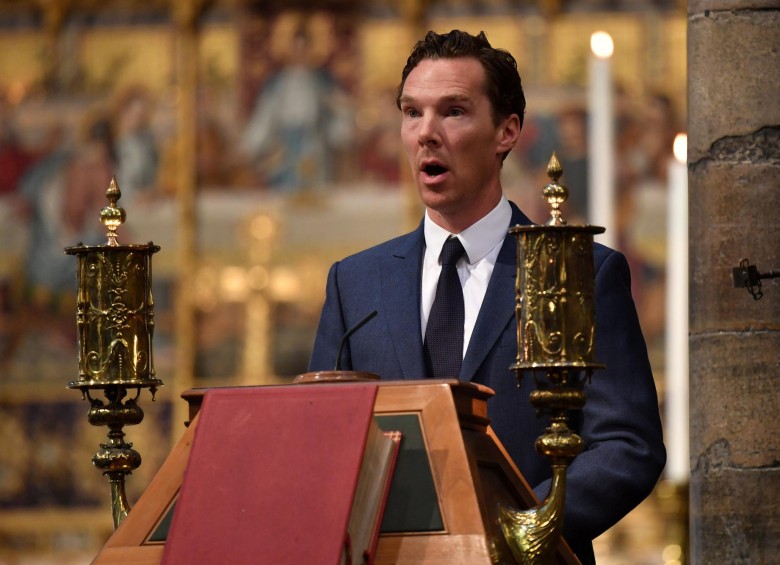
<point x="620" y="424"/>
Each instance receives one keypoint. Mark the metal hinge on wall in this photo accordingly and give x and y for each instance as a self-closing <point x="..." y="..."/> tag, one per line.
<point x="747" y="276"/>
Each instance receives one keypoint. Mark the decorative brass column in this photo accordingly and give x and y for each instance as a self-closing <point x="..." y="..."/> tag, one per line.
<point x="115" y="322"/>
<point x="414" y="14"/>
<point x="555" y="335"/>
<point x="185" y="15"/>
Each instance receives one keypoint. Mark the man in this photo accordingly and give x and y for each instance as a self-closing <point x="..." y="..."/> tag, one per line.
<point x="463" y="105"/>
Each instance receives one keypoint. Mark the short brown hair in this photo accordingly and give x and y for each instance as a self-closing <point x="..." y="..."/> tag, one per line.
<point x="503" y="86"/>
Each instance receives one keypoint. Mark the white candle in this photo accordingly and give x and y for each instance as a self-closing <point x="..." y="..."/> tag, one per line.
<point x="676" y="394"/>
<point x="601" y="139"/>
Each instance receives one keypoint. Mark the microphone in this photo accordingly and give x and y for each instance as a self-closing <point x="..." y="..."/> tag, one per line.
<point x="350" y="331"/>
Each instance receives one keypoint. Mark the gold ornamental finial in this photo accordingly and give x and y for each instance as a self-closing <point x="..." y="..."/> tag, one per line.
<point x="112" y="216"/>
<point x="555" y="194"/>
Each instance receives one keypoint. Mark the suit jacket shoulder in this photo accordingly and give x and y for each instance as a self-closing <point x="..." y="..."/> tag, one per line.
<point x="385" y="278"/>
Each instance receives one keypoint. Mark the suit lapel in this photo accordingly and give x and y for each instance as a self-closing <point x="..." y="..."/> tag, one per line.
<point x="401" y="280"/>
<point x="498" y="307"/>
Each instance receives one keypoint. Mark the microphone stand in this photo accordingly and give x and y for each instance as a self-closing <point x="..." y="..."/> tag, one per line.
<point x="337" y="375"/>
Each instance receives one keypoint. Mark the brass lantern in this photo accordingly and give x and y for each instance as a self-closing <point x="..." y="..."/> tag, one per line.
<point x="555" y="305"/>
<point x="115" y="324"/>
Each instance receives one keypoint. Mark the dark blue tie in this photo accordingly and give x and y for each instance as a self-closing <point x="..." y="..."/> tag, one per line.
<point x="444" y="333"/>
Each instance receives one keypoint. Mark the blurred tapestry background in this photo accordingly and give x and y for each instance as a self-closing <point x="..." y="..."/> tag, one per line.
<point x="277" y="156"/>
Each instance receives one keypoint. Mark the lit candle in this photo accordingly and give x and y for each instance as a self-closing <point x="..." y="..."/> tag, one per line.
<point x="676" y="394"/>
<point x="601" y="139"/>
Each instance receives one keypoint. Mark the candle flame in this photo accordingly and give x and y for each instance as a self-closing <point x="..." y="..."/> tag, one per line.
<point x="602" y="45"/>
<point x="680" y="147"/>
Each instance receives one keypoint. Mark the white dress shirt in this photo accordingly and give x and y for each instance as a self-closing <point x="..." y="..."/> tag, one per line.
<point x="482" y="242"/>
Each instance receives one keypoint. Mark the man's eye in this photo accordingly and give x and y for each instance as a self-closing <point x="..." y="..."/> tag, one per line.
<point x="456" y="112"/>
<point x="411" y="112"/>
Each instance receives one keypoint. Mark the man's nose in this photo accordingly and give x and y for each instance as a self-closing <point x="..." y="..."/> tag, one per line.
<point x="429" y="134"/>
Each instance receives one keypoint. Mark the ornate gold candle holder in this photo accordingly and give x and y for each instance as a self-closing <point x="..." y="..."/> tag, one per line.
<point x="115" y="323"/>
<point x="555" y="307"/>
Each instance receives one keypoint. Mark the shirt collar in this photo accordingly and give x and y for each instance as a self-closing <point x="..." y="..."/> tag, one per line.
<point x="479" y="238"/>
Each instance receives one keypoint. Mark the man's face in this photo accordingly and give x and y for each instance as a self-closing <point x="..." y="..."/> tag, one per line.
<point x="452" y="143"/>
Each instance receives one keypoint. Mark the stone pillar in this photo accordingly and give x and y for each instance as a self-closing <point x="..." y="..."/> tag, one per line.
<point x="734" y="172"/>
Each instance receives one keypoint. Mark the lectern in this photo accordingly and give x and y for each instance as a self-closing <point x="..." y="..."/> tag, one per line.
<point x="452" y="473"/>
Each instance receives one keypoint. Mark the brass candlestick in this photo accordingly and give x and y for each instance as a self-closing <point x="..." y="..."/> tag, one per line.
<point x="115" y="323"/>
<point x="555" y="332"/>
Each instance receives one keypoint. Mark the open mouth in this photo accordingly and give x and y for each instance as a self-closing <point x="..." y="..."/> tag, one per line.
<point x="434" y="170"/>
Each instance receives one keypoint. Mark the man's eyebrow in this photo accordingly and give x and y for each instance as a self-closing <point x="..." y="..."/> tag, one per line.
<point x="448" y="98"/>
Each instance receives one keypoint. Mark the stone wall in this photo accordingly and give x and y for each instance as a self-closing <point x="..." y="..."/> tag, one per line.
<point x="734" y="172"/>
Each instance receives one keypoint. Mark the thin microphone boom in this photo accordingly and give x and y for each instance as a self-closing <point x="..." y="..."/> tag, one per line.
<point x="352" y="330"/>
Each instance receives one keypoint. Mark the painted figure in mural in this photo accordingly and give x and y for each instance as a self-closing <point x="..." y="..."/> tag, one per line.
<point x="462" y="108"/>
<point x="136" y="146"/>
<point x="63" y="192"/>
<point x="300" y="118"/>
<point x="15" y="159"/>
<point x="59" y="197"/>
<point x="643" y="201"/>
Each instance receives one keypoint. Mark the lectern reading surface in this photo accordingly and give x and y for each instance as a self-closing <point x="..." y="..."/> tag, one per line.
<point x="283" y="475"/>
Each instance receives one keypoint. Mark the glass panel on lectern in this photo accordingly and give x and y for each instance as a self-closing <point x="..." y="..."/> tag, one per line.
<point x="413" y="504"/>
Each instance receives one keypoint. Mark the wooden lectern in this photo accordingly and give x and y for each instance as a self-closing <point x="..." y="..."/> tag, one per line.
<point x="451" y="473"/>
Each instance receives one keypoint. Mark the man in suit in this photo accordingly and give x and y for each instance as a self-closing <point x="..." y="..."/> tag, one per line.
<point x="463" y="105"/>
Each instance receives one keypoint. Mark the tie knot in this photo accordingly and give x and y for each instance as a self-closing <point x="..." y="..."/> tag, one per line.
<point x="451" y="251"/>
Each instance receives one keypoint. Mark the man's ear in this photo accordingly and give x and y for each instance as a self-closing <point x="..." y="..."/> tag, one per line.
<point x="508" y="133"/>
